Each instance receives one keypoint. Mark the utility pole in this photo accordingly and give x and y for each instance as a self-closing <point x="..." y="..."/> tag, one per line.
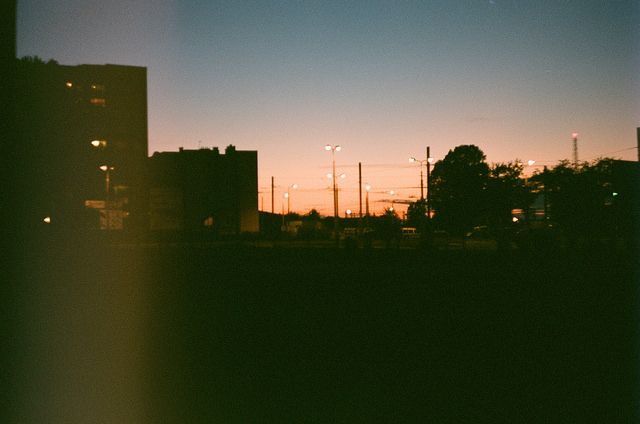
<point x="367" y="187"/>
<point x="272" y="200"/>
<point x="544" y="193"/>
<point x="360" y="185"/>
<point x="638" y="138"/>
<point x="335" y="191"/>
<point x="421" y="184"/>
<point x="428" y="183"/>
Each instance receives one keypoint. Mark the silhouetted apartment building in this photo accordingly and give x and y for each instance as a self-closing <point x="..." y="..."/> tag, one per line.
<point x="82" y="131"/>
<point x="203" y="189"/>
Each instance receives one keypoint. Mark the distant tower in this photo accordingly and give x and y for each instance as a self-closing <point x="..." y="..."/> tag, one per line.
<point x="574" y="136"/>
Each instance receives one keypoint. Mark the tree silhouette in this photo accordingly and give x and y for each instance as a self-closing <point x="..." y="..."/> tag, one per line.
<point x="311" y="225"/>
<point x="36" y="60"/>
<point x="312" y="215"/>
<point x="458" y="184"/>
<point x="506" y="190"/>
<point x="579" y="197"/>
<point x="389" y="225"/>
<point x="417" y="214"/>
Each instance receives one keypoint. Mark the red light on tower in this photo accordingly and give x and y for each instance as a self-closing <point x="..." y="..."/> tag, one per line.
<point x="574" y="135"/>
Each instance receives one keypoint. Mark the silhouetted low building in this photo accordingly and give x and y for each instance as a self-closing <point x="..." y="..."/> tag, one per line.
<point x="200" y="190"/>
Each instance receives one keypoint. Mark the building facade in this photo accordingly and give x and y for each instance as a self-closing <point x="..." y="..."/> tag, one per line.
<point x="204" y="190"/>
<point x="82" y="133"/>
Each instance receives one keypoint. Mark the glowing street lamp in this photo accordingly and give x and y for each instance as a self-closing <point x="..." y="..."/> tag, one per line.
<point x="430" y="161"/>
<point x="107" y="179"/>
<point x="392" y="193"/>
<point x="421" y="162"/>
<point x="367" y="187"/>
<point x="287" y="196"/>
<point x="333" y="149"/>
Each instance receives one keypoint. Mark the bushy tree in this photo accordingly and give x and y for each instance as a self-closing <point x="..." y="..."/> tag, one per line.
<point x="389" y="225"/>
<point x="458" y="184"/>
<point x="311" y="225"/>
<point x="578" y="197"/>
<point x="417" y="214"/>
<point x="506" y="190"/>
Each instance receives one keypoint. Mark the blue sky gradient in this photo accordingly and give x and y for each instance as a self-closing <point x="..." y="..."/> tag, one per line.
<point x="383" y="79"/>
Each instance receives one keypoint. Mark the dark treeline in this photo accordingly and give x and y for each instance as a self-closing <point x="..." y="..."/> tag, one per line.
<point x="575" y="203"/>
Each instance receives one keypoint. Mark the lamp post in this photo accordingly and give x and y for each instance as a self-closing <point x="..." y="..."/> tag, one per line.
<point x="333" y="149"/>
<point x="287" y="195"/>
<point x="367" y="187"/>
<point x="392" y="193"/>
<point x="421" y="162"/>
<point x="430" y="162"/>
<point x="107" y="179"/>
<point x="336" y="188"/>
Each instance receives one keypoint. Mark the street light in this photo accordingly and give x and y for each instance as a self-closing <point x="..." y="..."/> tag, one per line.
<point x="99" y="143"/>
<point x="333" y="149"/>
<point x="430" y="161"/>
<point x="336" y="188"/>
<point x="392" y="193"/>
<point x="287" y="196"/>
<point x="421" y="162"/>
<point x="367" y="187"/>
<point x="107" y="169"/>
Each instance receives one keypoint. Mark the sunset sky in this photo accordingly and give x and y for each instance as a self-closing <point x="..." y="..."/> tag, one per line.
<point x="382" y="79"/>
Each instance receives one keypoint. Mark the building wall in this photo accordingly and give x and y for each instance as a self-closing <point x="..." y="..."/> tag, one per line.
<point x="203" y="189"/>
<point x="61" y="110"/>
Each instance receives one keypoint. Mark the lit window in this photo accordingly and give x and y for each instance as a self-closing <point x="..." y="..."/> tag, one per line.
<point x="97" y="90"/>
<point x="98" y="101"/>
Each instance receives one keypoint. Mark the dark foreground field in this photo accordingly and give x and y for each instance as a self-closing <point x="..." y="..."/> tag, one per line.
<point x="240" y="335"/>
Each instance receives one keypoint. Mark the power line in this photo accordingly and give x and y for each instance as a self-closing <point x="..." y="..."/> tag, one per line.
<point x="616" y="151"/>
